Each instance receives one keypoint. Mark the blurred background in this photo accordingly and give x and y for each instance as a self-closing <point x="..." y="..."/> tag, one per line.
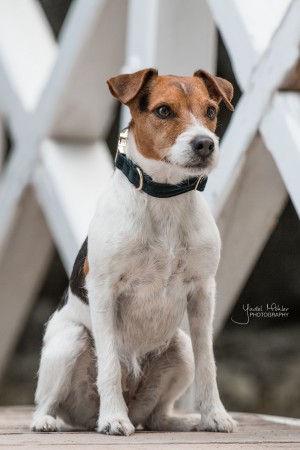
<point x="59" y="129"/>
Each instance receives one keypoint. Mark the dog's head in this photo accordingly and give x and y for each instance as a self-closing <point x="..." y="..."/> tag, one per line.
<point x="174" y="118"/>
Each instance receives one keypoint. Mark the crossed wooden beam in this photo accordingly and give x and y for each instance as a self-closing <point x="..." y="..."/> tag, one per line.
<point x="260" y="150"/>
<point x="57" y="107"/>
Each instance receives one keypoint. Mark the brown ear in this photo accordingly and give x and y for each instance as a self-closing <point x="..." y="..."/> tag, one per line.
<point x="218" y="88"/>
<point x="126" y="87"/>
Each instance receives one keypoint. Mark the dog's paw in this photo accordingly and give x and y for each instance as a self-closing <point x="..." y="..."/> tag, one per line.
<point x="174" y="422"/>
<point x="218" y="420"/>
<point x="191" y="422"/>
<point x="44" y="423"/>
<point x="116" y="426"/>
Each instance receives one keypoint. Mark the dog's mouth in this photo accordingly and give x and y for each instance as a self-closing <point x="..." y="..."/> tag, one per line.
<point x="195" y="166"/>
<point x="198" y="165"/>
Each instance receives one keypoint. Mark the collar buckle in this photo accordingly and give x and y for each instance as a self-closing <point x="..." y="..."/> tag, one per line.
<point x="123" y="141"/>
<point x="140" y="187"/>
<point x="197" y="184"/>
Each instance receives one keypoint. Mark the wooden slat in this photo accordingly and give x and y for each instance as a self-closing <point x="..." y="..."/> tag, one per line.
<point x="27" y="54"/>
<point x="280" y="130"/>
<point x="23" y="263"/>
<point x="57" y="104"/>
<point x="247" y="28"/>
<point x="68" y="182"/>
<point x="56" y="108"/>
<point x="254" y="432"/>
<point x="235" y="190"/>
<point x="250" y="215"/>
<point x="82" y="24"/>
<point x="26" y="59"/>
<point x="253" y="105"/>
<point x="92" y="50"/>
<point x="152" y="39"/>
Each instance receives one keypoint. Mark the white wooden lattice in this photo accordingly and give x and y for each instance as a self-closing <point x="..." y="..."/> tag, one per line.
<point x="263" y="43"/>
<point x="54" y="98"/>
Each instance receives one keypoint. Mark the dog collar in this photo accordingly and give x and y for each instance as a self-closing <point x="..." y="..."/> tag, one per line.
<point x="145" y="183"/>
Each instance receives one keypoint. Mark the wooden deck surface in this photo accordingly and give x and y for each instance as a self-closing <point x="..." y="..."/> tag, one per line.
<point x="254" y="432"/>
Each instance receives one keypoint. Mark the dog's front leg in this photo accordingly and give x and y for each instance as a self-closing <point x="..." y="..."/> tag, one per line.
<point x="200" y="311"/>
<point x="113" y="417"/>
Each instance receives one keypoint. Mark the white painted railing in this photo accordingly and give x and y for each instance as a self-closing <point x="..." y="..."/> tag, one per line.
<point x="264" y="48"/>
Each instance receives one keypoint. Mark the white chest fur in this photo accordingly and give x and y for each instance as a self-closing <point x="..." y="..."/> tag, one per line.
<point x="153" y="251"/>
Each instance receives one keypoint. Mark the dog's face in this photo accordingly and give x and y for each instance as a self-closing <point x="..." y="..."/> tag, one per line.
<point x="174" y="118"/>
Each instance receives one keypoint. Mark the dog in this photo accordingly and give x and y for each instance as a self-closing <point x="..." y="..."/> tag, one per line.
<point x="113" y="355"/>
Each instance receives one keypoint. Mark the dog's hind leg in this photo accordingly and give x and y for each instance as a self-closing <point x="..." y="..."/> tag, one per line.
<point x="81" y="407"/>
<point x="166" y="377"/>
<point x="63" y="344"/>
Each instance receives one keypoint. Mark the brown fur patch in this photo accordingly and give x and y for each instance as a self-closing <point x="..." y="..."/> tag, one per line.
<point x="86" y="267"/>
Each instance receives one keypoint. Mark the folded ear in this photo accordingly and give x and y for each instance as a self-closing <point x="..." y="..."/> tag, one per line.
<point x="218" y="88"/>
<point x="126" y="87"/>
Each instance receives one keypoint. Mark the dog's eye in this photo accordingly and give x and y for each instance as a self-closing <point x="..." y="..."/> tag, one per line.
<point x="163" y="112"/>
<point x="211" y="112"/>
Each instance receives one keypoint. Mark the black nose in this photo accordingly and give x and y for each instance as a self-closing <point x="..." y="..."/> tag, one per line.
<point x="203" y="145"/>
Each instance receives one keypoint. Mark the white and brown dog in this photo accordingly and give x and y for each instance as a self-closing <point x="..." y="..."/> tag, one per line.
<point x="114" y="356"/>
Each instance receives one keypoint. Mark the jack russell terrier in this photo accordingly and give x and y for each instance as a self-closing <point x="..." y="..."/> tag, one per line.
<point x="114" y="356"/>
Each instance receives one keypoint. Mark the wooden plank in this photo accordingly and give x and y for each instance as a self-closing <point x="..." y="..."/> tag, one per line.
<point x="195" y="30"/>
<point x="254" y="432"/>
<point x="10" y="104"/>
<point x="91" y="51"/>
<point x="27" y="54"/>
<point x="284" y="117"/>
<point x="253" y="104"/>
<point x="246" y="233"/>
<point x="245" y="223"/>
<point x="247" y="29"/>
<point x="81" y="31"/>
<point x="15" y="178"/>
<point x="27" y="49"/>
<point x="158" y="446"/>
<point x="141" y="38"/>
<point x="23" y="263"/>
<point x="68" y="182"/>
<point x="78" y="34"/>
